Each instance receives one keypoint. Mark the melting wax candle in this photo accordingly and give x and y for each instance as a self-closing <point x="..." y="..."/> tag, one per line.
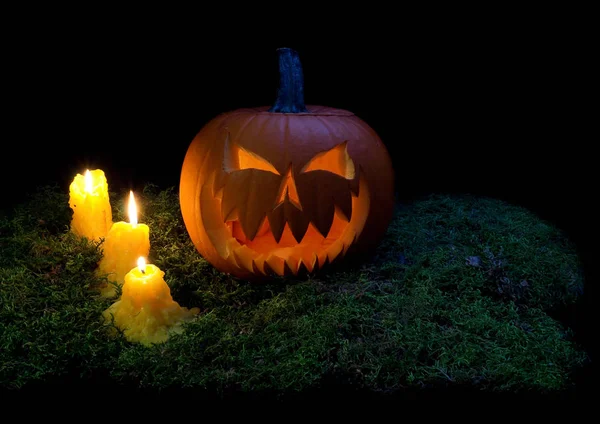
<point x="88" y="198"/>
<point x="124" y="244"/>
<point x="146" y="312"/>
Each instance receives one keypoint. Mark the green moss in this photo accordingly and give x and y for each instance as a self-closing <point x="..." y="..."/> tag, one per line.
<point x="458" y="293"/>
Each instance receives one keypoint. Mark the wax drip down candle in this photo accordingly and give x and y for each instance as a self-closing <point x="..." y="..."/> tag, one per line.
<point x="88" y="198"/>
<point x="146" y="312"/>
<point x="124" y="244"/>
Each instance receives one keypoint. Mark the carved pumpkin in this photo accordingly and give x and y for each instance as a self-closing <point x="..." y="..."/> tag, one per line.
<point x="285" y="189"/>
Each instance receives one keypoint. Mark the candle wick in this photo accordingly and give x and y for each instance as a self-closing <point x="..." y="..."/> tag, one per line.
<point x="143" y="271"/>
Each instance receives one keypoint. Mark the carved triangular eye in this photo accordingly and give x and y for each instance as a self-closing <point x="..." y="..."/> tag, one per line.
<point x="336" y="160"/>
<point x="249" y="160"/>
<point x="238" y="158"/>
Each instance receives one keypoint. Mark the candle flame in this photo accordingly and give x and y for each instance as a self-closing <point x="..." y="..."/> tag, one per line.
<point x="89" y="186"/>
<point x="141" y="263"/>
<point x="132" y="209"/>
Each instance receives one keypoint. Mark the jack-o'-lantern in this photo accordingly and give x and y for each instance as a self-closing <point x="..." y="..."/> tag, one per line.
<point x="285" y="189"/>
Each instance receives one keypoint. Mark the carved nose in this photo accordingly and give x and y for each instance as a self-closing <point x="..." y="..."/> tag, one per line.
<point x="288" y="190"/>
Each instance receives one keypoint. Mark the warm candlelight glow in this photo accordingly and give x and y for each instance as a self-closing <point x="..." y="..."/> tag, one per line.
<point x="89" y="186"/>
<point x="126" y="244"/>
<point x="141" y="263"/>
<point x="89" y="201"/>
<point x="146" y="311"/>
<point x="132" y="209"/>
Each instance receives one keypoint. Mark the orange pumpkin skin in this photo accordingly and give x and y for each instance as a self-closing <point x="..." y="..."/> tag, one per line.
<point x="266" y="193"/>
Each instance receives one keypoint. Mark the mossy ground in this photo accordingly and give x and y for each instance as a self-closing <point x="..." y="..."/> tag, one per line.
<point x="458" y="293"/>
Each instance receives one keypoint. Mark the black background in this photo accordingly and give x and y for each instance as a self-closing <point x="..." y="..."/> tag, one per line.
<point x="494" y="104"/>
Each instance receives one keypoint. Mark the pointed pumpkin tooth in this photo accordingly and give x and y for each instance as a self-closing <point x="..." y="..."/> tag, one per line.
<point x="315" y="269"/>
<point x="253" y="193"/>
<point x="292" y="265"/>
<point x="319" y="192"/>
<point x="298" y="228"/>
<point x="258" y="270"/>
<point x="324" y="219"/>
<point x="287" y="271"/>
<point x="296" y="220"/>
<point x="264" y="228"/>
<point x="251" y="223"/>
<point x="323" y="259"/>
<point x="302" y="269"/>
<point x="276" y="263"/>
<point x="244" y="256"/>
<point x="314" y="263"/>
<point x="309" y="262"/>
<point x="276" y="222"/>
<point x="268" y="270"/>
<point x="237" y="232"/>
<point x="259" y="262"/>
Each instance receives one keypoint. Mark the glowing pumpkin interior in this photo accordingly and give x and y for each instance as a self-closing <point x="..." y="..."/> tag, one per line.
<point x="281" y="237"/>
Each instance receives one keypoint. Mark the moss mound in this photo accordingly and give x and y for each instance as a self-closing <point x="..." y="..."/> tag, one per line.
<point x="457" y="294"/>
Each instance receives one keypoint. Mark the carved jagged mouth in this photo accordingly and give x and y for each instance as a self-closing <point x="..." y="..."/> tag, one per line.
<point x="311" y="251"/>
<point x="265" y="255"/>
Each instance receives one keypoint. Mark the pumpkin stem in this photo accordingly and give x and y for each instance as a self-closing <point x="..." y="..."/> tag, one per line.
<point x="290" y="95"/>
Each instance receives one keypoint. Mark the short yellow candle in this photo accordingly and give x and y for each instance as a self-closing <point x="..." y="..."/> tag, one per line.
<point x="88" y="198"/>
<point x="146" y="312"/>
<point x="124" y="244"/>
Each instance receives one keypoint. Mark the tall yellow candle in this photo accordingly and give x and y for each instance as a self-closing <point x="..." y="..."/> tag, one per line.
<point x="146" y="312"/>
<point x="124" y="244"/>
<point x="88" y="198"/>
